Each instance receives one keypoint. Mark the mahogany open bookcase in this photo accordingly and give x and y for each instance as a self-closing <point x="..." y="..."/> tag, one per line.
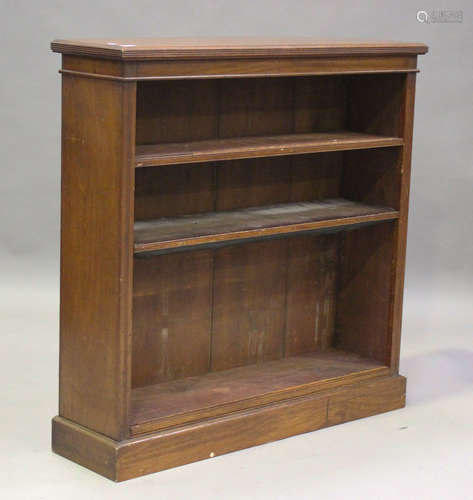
<point x="234" y="216"/>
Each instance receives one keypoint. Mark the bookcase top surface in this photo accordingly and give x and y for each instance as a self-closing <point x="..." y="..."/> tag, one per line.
<point x="227" y="47"/>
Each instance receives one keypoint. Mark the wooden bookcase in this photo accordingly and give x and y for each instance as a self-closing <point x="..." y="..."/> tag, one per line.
<point x="234" y="216"/>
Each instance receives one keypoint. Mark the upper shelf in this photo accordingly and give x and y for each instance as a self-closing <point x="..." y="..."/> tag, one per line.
<point x="257" y="222"/>
<point x="254" y="147"/>
<point x="228" y="47"/>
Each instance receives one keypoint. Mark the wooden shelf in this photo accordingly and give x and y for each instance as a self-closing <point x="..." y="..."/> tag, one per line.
<point x="254" y="147"/>
<point x="257" y="222"/>
<point x="179" y="401"/>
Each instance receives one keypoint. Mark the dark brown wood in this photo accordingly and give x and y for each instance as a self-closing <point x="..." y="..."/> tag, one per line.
<point x="213" y="227"/>
<point x="148" y="71"/>
<point x="218" y="393"/>
<point x="312" y="270"/>
<point x="373" y="177"/>
<point x="400" y="237"/>
<point x="252" y="183"/>
<point x="96" y="253"/>
<point x="175" y="190"/>
<point x="176" y="111"/>
<point x="85" y="447"/>
<point x="171" y="309"/>
<point x="249" y="304"/>
<point x="225" y="47"/>
<point x="275" y="199"/>
<point x="320" y="106"/>
<point x="316" y="177"/>
<point x="231" y="68"/>
<point x="254" y="147"/>
<point x="362" y="322"/>
<point x="375" y="104"/>
<point x="210" y="438"/>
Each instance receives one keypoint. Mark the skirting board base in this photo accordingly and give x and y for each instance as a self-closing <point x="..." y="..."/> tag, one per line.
<point x="150" y="453"/>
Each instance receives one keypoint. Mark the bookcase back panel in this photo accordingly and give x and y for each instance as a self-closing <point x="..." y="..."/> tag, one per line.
<point x="172" y="316"/>
<point x="251" y="107"/>
<point x="193" y="188"/>
<point x="370" y="176"/>
<point x="192" y="110"/>
<point x="255" y="302"/>
<point x="176" y="111"/>
<point x="232" y="306"/>
<point x="312" y="274"/>
<point x="174" y="190"/>
<point x="249" y="304"/>
<point x="260" y="301"/>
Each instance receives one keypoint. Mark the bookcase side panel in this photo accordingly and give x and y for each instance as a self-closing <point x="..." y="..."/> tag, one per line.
<point x="98" y="123"/>
<point x="399" y="260"/>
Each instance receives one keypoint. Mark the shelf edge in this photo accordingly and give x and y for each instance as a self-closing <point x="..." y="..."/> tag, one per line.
<point x="149" y="160"/>
<point x="262" y="233"/>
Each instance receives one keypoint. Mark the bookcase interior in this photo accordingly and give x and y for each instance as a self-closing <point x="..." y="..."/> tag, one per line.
<point x="176" y="111"/>
<point x="233" y="321"/>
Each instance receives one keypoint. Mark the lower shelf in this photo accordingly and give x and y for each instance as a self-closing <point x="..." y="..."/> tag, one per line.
<point x="122" y="460"/>
<point x="256" y="222"/>
<point x="180" y="401"/>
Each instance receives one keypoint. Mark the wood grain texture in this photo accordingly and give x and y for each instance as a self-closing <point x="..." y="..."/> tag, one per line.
<point x="375" y="103"/>
<point x="227" y="47"/>
<point x="316" y="177"/>
<point x="257" y="147"/>
<point x="209" y="438"/>
<point x="240" y="224"/>
<point x="300" y="144"/>
<point x="373" y="178"/>
<point x="96" y="252"/>
<point x="248" y="304"/>
<point x="188" y="69"/>
<point x="312" y="266"/>
<point x="171" y="309"/>
<point x="85" y="447"/>
<point x="171" y="191"/>
<point x="364" y="290"/>
<point x="176" y="111"/>
<point x="255" y="107"/>
<point x="219" y="393"/>
<point x="252" y="183"/>
<point x="400" y="238"/>
<point x="268" y="66"/>
<point x="320" y="104"/>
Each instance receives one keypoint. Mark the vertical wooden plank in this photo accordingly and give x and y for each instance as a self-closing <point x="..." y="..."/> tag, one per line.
<point x="255" y="106"/>
<point x="316" y="177"/>
<point x="249" y="304"/>
<point x="400" y="237"/>
<point x="311" y="293"/>
<point x="319" y="103"/>
<point x="250" y="183"/>
<point x="364" y="291"/>
<point x="174" y="190"/>
<point x="176" y="111"/>
<point x="98" y="140"/>
<point x="172" y="314"/>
